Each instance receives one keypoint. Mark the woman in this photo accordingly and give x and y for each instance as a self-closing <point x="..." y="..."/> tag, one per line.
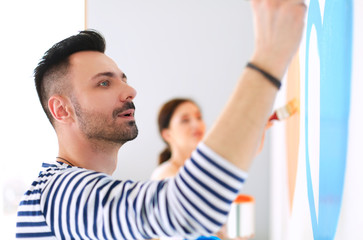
<point x="182" y="127"/>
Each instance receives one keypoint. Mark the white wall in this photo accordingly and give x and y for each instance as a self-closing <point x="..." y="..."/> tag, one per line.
<point x="307" y="220"/>
<point x="28" y="29"/>
<point x="168" y="48"/>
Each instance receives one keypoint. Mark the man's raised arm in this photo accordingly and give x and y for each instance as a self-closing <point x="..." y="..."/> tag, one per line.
<point x="278" y="29"/>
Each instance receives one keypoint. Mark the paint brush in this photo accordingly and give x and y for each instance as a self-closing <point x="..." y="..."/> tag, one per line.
<point x="286" y="111"/>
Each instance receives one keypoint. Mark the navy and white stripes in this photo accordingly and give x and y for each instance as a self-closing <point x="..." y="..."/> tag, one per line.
<point x="73" y="203"/>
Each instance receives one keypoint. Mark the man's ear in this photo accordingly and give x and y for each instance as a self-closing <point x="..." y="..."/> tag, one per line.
<point x="60" y="108"/>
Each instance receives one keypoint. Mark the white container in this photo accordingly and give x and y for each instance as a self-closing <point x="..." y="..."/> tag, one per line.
<point x="241" y="219"/>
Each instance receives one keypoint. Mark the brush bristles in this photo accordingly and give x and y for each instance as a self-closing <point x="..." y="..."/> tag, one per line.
<point x="288" y="110"/>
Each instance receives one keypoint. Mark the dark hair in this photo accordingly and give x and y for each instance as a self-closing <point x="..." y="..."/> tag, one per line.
<point x="53" y="67"/>
<point x="165" y="114"/>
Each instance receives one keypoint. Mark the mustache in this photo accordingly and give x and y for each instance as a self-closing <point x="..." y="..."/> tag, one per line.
<point x="126" y="106"/>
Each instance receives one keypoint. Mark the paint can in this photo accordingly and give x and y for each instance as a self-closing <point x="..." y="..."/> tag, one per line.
<point x="241" y="219"/>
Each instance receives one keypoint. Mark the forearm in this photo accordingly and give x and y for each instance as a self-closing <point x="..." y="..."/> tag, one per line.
<point x="237" y="132"/>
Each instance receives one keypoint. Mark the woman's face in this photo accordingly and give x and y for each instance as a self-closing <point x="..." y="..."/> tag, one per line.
<point x="186" y="127"/>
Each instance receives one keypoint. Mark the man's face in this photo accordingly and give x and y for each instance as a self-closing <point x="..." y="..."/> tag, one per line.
<point x="102" y="99"/>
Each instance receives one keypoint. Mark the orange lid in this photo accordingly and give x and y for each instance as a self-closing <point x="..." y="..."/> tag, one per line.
<point x="241" y="198"/>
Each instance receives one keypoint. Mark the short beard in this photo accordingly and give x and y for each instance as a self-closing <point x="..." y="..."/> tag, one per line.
<point x="98" y="126"/>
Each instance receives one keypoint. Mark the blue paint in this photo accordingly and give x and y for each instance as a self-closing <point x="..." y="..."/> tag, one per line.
<point x="334" y="38"/>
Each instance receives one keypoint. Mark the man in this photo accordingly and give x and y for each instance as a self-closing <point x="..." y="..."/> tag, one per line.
<point x="89" y="103"/>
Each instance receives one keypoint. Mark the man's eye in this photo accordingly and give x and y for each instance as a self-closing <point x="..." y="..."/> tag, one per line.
<point x="104" y="83"/>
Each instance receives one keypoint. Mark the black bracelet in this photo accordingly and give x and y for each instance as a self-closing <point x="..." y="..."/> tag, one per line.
<point x="271" y="78"/>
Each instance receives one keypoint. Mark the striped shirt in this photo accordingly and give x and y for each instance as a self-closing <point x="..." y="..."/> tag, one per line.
<point x="67" y="202"/>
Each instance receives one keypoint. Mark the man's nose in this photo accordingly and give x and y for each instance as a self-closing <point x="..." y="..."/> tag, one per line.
<point x="128" y="93"/>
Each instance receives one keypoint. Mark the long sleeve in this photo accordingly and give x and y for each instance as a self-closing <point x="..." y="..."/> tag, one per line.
<point x="75" y="203"/>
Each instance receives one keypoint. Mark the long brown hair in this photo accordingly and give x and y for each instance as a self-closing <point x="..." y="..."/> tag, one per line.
<point x="165" y="114"/>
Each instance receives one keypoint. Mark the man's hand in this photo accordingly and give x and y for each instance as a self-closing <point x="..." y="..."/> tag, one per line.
<point x="278" y="31"/>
